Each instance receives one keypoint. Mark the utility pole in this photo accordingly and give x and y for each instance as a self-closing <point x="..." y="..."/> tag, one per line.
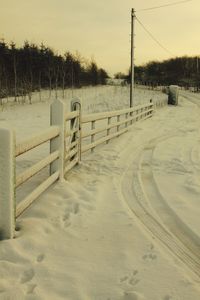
<point x="132" y="55"/>
<point x="197" y="73"/>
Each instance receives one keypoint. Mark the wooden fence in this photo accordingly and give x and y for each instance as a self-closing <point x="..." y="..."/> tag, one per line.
<point x="70" y="135"/>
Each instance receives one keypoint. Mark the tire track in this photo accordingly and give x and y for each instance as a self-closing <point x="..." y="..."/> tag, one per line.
<point x="161" y="222"/>
<point x="160" y="205"/>
<point x="194" y="157"/>
<point x="194" y="99"/>
<point x="166" y="227"/>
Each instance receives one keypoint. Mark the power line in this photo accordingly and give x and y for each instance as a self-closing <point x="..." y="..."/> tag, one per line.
<point x="155" y="40"/>
<point x="165" y="5"/>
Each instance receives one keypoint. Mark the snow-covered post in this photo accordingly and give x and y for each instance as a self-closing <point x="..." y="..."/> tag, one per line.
<point x="57" y="118"/>
<point x="7" y="182"/>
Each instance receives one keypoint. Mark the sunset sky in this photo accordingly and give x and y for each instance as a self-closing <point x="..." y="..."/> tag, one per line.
<point x="101" y="29"/>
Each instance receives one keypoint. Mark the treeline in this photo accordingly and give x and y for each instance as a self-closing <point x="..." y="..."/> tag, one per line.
<point x="183" y="71"/>
<point x="32" y="68"/>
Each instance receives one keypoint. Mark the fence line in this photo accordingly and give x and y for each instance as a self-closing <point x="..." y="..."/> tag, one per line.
<point x="68" y="139"/>
<point x="141" y="111"/>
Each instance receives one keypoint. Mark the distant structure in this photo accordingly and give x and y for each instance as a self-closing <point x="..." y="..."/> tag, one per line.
<point x="173" y="95"/>
<point x="115" y="81"/>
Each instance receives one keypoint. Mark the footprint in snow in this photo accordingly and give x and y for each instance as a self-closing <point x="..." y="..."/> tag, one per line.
<point x="66" y="216"/>
<point x="31" y="288"/>
<point x="167" y="297"/>
<point x="56" y="222"/>
<point x="27" y="276"/>
<point x="132" y="295"/>
<point x="72" y="209"/>
<point x="131" y="279"/>
<point x="75" y="208"/>
<point x="66" y="219"/>
<point x="150" y="255"/>
<point x="40" y="257"/>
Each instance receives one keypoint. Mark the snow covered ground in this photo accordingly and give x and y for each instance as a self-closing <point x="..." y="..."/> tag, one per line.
<point x="125" y="225"/>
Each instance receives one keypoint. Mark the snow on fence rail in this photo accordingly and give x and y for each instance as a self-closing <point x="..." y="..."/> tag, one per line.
<point x="69" y="137"/>
<point x="118" y="121"/>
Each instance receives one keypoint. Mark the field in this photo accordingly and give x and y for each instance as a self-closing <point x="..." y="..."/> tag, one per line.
<point x="125" y="224"/>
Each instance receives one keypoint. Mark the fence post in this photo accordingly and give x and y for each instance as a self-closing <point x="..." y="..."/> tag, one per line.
<point x="136" y="119"/>
<point x="7" y="182"/>
<point x="92" y="136"/>
<point x="108" y="130"/>
<point x="131" y="115"/>
<point x="152" y="106"/>
<point x="118" y="120"/>
<point x="126" y="117"/>
<point x="57" y="118"/>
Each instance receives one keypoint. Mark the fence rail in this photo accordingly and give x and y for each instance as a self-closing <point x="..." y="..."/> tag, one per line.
<point x="37" y="140"/>
<point x="33" y="170"/>
<point x="105" y="115"/>
<point x="130" y="116"/>
<point x="69" y="135"/>
<point x="24" y="147"/>
<point x="25" y="203"/>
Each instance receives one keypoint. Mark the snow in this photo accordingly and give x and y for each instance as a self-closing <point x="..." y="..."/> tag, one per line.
<point x="124" y="225"/>
<point x="7" y="219"/>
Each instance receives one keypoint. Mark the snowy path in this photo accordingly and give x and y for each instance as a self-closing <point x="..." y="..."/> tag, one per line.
<point x="139" y="184"/>
<point x="124" y="226"/>
<point x="142" y="193"/>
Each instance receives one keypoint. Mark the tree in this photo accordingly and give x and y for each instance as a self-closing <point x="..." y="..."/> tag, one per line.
<point x="29" y="68"/>
<point x="93" y="73"/>
<point x="120" y="75"/>
<point x="14" y="60"/>
<point x="103" y="75"/>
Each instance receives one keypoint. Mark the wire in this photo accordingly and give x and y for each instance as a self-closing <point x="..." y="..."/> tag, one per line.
<point x="155" y="40"/>
<point x="169" y="4"/>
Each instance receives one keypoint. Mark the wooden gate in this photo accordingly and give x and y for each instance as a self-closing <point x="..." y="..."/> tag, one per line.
<point x="73" y="136"/>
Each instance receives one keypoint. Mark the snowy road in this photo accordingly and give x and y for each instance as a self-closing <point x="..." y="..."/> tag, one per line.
<point x="142" y="194"/>
<point x="124" y="226"/>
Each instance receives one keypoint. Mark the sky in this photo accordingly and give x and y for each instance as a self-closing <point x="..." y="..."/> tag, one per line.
<point x="100" y="30"/>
